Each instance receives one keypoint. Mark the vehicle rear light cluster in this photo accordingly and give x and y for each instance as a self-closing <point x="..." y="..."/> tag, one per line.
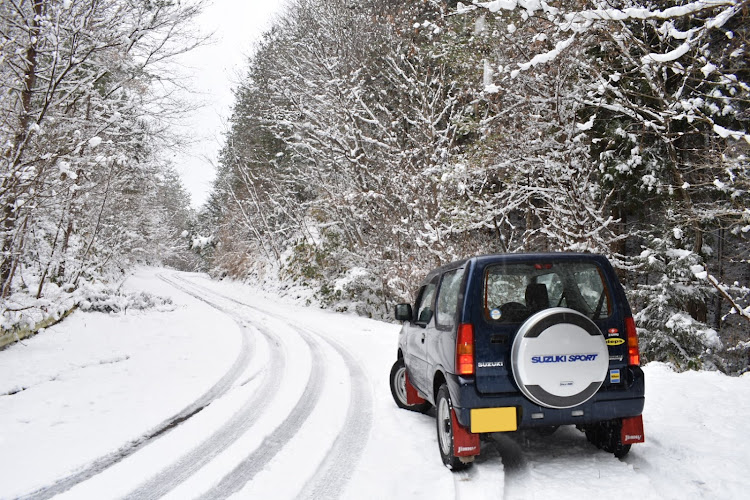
<point x="634" y="355"/>
<point x="539" y="267"/>
<point x="465" y="349"/>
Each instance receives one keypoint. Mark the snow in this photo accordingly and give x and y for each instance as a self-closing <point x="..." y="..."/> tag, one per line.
<point x="644" y="13"/>
<point x="96" y="381"/>
<point x="725" y="132"/>
<point x="350" y="277"/>
<point x="699" y="271"/>
<point x="588" y="125"/>
<point x="202" y="242"/>
<point x="672" y="55"/>
<point x="678" y="253"/>
<point x="708" y="69"/>
<point x="547" y="56"/>
<point x="530" y="6"/>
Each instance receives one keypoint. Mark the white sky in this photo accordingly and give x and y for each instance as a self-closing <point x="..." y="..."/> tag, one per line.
<point x="215" y="70"/>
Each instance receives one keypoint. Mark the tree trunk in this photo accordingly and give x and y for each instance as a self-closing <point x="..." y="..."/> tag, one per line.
<point x="10" y="184"/>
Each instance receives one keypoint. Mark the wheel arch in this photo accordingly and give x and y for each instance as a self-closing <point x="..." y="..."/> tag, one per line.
<point x="438" y="380"/>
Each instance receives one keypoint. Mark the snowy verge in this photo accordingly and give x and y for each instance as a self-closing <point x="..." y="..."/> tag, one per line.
<point x="696" y="436"/>
<point x="88" y="385"/>
<point x="23" y="315"/>
<point x="115" y="375"/>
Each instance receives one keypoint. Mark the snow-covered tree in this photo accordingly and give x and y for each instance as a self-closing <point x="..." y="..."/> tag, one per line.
<point x="374" y="140"/>
<point x="85" y="110"/>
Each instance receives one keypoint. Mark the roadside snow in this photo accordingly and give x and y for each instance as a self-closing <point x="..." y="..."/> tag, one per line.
<point x="96" y="381"/>
<point x="696" y="434"/>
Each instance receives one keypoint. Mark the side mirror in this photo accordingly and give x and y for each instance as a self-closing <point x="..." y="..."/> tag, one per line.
<point x="404" y="312"/>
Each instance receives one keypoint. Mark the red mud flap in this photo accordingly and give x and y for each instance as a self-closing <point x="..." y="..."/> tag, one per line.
<point x="465" y="444"/>
<point x="412" y="397"/>
<point x="632" y="430"/>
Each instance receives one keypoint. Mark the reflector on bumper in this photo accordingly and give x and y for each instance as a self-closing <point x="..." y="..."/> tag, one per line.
<point x="493" y="420"/>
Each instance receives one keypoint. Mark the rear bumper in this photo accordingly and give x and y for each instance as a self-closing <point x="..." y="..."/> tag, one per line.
<point x="605" y="405"/>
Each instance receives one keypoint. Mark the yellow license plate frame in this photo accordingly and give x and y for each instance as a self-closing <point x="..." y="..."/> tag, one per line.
<point x="494" y="420"/>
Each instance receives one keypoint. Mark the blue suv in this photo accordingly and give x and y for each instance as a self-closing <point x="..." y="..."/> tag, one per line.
<point x="499" y="343"/>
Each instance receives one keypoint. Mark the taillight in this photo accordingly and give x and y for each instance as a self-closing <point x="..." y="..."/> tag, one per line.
<point x="634" y="355"/>
<point x="465" y="349"/>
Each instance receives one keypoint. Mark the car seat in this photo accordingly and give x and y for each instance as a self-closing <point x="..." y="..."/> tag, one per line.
<point x="536" y="297"/>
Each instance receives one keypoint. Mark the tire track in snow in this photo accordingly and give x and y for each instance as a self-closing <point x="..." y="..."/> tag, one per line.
<point x="336" y="469"/>
<point x="537" y="465"/>
<point x="280" y="437"/>
<point x="169" y="478"/>
<point x="485" y="479"/>
<point x="104" y="462"/>
<point x="270" y="446"/>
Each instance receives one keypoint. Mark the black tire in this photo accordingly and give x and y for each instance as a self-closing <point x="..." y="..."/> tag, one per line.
<point x="398" y="388"/>
<point x="606" y="436"/>
<point x="444" y="427"/>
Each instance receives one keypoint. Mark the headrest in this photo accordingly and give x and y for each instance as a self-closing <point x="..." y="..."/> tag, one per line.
<point x="537" y="297"/>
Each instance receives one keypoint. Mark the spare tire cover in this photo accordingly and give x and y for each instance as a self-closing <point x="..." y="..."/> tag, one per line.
<point x="559" y="358"/>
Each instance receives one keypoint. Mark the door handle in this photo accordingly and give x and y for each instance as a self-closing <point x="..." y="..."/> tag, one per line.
<point x="423" y="338"/>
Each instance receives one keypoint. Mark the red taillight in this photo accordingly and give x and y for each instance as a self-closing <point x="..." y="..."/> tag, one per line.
<point x="465" y="349"/>
<point x="634" y="355"/>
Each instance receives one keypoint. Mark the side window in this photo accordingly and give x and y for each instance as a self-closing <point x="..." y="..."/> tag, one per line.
<point x="447" y="302"/>
<point x="425" y="301"/>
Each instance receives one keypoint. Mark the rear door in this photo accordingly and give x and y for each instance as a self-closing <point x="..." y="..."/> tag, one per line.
<point x="502" y="310"/>
<point x="514" y="291"/>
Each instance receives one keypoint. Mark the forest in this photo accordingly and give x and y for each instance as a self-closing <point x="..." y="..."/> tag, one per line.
<point x="86" y="113"/>
<point x="371" y="141"/>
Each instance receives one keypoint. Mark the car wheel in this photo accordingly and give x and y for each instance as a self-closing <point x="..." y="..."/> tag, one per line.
<point x="398" y="388"/>
<point x="445" y="431"/>
<point x="606" y="436"/>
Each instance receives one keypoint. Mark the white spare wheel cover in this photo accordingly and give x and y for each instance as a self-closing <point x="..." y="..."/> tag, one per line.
<point x="559" y="358"/>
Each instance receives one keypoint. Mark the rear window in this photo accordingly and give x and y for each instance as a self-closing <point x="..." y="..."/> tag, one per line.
<point x="513" y="292"/>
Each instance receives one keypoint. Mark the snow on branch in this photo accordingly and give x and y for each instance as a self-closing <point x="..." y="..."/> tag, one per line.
<point x="544" y="57"/>
<point x="644" y="13"/>
<point x="742" y="312"/>
<point x="725" y="132"/>
<point x="672" y="55"/>
<point x="715" y="22"/>
<point x="579" y="21"/>
<point x="530" y="5"/>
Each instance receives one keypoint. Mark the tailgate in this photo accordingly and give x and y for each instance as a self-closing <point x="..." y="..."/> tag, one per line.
<point x="492" y="357"/>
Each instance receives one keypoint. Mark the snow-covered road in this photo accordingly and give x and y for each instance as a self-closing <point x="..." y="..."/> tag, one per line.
<point x="233" y="393"/>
